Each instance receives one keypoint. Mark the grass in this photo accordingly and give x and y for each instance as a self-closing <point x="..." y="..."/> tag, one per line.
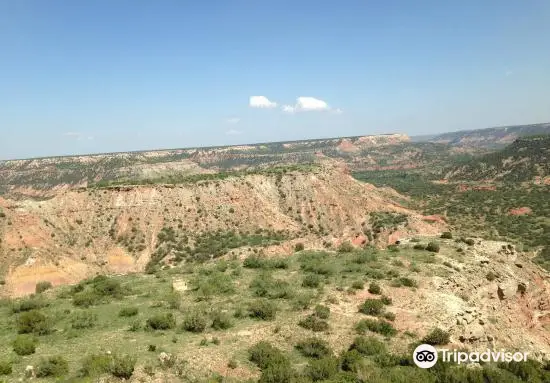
<point x="134" y="319"/>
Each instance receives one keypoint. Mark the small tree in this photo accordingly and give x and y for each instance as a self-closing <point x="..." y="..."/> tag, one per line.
<point x="43" y="286"/>
<point x="433" y="247"/>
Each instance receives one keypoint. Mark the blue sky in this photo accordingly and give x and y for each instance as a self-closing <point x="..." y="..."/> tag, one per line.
<point x="117" y="75"/>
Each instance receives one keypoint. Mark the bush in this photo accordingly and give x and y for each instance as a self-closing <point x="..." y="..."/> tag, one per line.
<point x="52" y="366"/>
<point x="374" y="307"/>
<point x="33" y="322"/>
<point x="374" y="288"/>
<point x="28" y="305"/>
<point x="345" y="247"/>
<point x="377" y="326"/>
<point x="447" y="235"/>
<point x="312" y="280"/>
<point x="194" y="322"/>
<point x="221" y="321"/>
<point x="368" y="346"/>
<point x="94" y="365"/>
<point x="437" y="337"/>
<point x="83" y="319"/>
<point x="433" y="247"/>
<point x="314" y="348"/>
<point x="302" y="301"/>
<point x="491" y="276"/>
<point x="161" y="322"/>
<point x="264" y="355"/>
<point x="404" y="281"/>
<point x="253" y="262"/>
<point x="86" y="299"/>
<point x="386" y="300"/>
<point x="418" y="246"/>
<point x="351" y="361"/>
<point x="128" y="311"/>
<point x="313" y="323"/>
<point x="358" y="285"/>
<point x="265" y="286"/>
<point x="5" y="367"/>
<point x="322" y="369"/>
<point x="299" y="247"/>
<point x="107" y="287"/>
<point x="24" y="344"/>
<point x="322" y="312"/>
<point x="469" y="241"/>
<point x="42" y="286"/>
<point x="122" y="366"/>
<point x="262" y="309"/>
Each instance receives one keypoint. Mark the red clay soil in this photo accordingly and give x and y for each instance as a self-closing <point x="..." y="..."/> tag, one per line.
<point x="520" y="211"/>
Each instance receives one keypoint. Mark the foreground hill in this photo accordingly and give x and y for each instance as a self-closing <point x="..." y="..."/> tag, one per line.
<point x="346" y="316"/>
<point x="526" y="159"/>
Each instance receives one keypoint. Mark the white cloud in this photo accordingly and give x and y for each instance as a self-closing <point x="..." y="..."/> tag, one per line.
<point x="233" y="132"/>
<point x="508" y="73"/>
<point x="308" y="104"/>
<point x="261" y="102"/>
<point x="311" y="103"/>
<point x="233" y="120"/>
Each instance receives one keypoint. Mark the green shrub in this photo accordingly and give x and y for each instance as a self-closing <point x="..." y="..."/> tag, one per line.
<point x="377" y="326"/>
<point x="221" y="321"/>
<point x="313" y="323"/>
<point x="43" y="286"/>
<point x="265" y="286"/>
<point x="437" y="337"/>
<point x="254" y="262"/>
<point x="161" y="322"/>
<point x="194" y="321"/>
<point x="217" y="283"/>
<point x="24" y="344"/>
<point x="386" y="300"/>
<point x="358" y="285"/>
<point x="404" y="281"/>
<point x="83" y="319"/>
<point x="447" y="235"/>
<point x="419" y="246"/>
<point x="433" y="247"/>
<point x="128" y="311"/>
<point x="264" y="355"/>
<point x="389" y="316"/>
<point x="28" y="305"/>
<point x="314" y="348"/>
<point x="469" y="241"/>
<point x="368" y="346"/>
<point x="374" y="307"/>
<point x="491" y="276"/>
<point x="299" y="247"/>
<point x="55" y="366"/>
<point x="351" y="361"/>
<point x="262" y="309"/>
<point x="33" y="322"/>
<point x="122" y="366"/>
<point x="96" y="364"/>
<point x="5" y="367"/>
<point x="302" y="301"/>
<point x="374" y="288"/>
<point x="173" y="298"/>
<point x="312" y="280"/>
<point x="322" y="369"/>
<point x="345" y="247"/>
<point x="107" y="287"/>
<point x="322" y="312"/>
<point x="86" y="299"/>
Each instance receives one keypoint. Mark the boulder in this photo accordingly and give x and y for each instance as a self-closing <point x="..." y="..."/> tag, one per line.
<point x="507" y="289"/>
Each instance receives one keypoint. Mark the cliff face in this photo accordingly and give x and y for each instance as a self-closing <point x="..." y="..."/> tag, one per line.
<point x="78" y="232"/>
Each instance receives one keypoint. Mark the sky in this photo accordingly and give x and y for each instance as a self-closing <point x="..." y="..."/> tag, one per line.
<point x="95" y="76"/>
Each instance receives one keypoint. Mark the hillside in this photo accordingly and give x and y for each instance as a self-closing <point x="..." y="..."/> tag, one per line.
<point x="526" y="159"/>
<point x="40" y="175"/>
<point x="490" y="138"/>
<point x="130" y="228"/>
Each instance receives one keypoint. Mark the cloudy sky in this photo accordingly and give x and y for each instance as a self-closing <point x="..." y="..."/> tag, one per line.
<point x="102" y="75"/>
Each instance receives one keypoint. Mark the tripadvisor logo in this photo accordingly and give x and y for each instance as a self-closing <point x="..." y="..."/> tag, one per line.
<point x="426" y="356"/>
